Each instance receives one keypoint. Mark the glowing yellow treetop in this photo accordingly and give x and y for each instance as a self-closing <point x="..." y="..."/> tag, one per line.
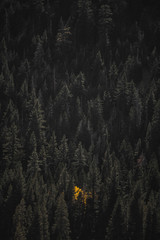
<point x="84" y="194"/>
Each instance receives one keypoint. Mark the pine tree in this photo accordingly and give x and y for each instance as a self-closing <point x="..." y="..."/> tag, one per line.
<point x="36" y="121"/>
<point x="126" y="154"/>
<point x="94" y="179"/>
<point x="20" y="181"/>
<point x="80" y="164"/>
<point x="63" y="148"/>
<point x="113" y="75"/>
<point x="42" y="222"/>
<point x="154" y="173"/>
<point x="61" y="226"/>
<point x="135" y="216"/>
<point x="98" y="71"/>
<point x="43" y="161"/>
<point x="95" y="111"/>
<point x="63" y="181"/>
<point x="137" y="107"/>
<point x="10" y="114"/>
<point x="19" y="221"/>
<point x="52" y="152"/>
<point x="33" y="164"/>
<point x="105" y="23"/>
<point x="78" y="86"/>
<point x="39" y="54"/>
<point x="12" y="148"/>
<point x="63" y="41"/>
<point x="83" y="132"/>
<point x="150" y="105"/>
<point x="29" y="221"/>
<point x="62" y="99"/>
<point x="10" y="199"/>
<point x="151" y="221"/>
<point x="116" y="227"/>
<point x="155" y="123"/>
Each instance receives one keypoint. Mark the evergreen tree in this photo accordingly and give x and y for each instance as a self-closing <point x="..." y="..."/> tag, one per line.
<point x="80" y="164"/>
<point x="95" y="111"/>
<point x="61" y="226"/>
<point x="116" y="227"/>
<point x="155" y="123"/>
<point x="33" y="164"/>
<point x="94" y="187"/>
<point x="12" y="149"/>
<point x="52" y="152"/>
<point x="105" y="23"/>
<point x="63" y="39"/>
<point x="42" y="222"/>
<point x="135" y="217"/>
<point x="19" y="221"/>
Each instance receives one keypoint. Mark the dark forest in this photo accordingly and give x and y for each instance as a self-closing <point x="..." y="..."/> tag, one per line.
<point x="79" y="120"/>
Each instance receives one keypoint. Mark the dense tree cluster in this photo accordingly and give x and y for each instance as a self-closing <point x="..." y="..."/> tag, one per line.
<point x="80" y="109"/>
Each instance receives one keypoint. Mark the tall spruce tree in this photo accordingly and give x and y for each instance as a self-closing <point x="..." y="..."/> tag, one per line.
<point x="61" y="226"/>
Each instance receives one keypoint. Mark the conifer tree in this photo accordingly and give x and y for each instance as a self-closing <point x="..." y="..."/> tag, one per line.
<point x="19" y="221"/>
<point x="105" y="23"/>
<point x="148" y="139"/>
<point x="98" y="71"/>
<point x="61" y="226"/>
<point x="80" y="164"/>
<point x="33" y="164"/>
<point x="52" y="152"/>
<point x="116" y="227"/>
<point x="43" y="161"/>
<point x="135" y="216"/>
<point x="12" y="148"/>
<point x="42" y="222"/>
<point x="78" y="86"/>
<point x="155" y="123"/>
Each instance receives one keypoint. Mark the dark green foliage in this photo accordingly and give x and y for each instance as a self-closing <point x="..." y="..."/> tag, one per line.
<point x="80" y="165"/>
<point x="155" y="122"/>
<point x="135" y="218"/>
<point x="79" y="109"/>
<point x="19" y="221"/>
<point x="116" y="226"/>
<point x="12" y="152"/>
<point x="61" y="226"/>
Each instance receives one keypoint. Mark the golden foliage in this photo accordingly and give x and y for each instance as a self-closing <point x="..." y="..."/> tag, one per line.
<point x="85" y="195"/>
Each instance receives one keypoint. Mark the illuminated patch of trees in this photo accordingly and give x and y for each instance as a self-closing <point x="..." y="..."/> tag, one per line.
<point x="84" y="195"/>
